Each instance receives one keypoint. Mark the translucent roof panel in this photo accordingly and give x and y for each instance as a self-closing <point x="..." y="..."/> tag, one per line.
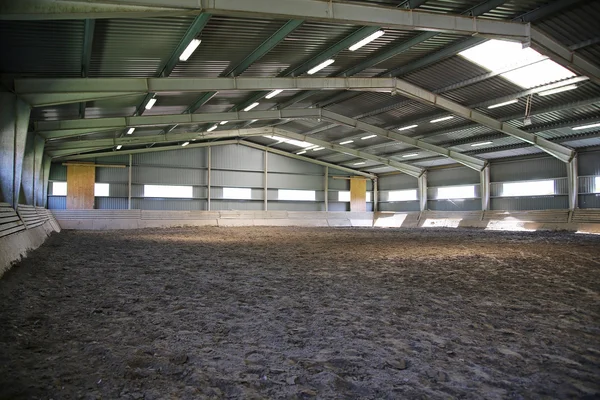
<point x="498" y="55"/>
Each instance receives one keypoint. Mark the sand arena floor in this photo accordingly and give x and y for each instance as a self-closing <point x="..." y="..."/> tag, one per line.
<point x="192" y="313"/>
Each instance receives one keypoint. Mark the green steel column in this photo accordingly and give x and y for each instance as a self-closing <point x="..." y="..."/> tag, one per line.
<point x="14" y="120"/>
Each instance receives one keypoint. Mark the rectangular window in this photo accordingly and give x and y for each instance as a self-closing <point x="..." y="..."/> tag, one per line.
<point x="237" y="193"/>
<point x="528" y="188"/>
<point x="402" y="195"/>
<point x="167" y="191"/>
<point x="296" y="195"/>
<point x="59" y="189"/>
<point x="344" y="195"/>
<point x="597" y="184"/>
<point x="101" y="189"/>
<point x="456" y="192"/>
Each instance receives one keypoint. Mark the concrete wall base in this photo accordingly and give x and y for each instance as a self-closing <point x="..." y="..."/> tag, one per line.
<point x="14" y="247"/>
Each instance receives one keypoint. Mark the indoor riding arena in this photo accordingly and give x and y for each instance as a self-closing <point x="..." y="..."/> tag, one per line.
<point x="299" y="199"/>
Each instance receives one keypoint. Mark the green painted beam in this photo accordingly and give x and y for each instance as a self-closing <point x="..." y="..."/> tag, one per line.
<point x="86" y="55"/>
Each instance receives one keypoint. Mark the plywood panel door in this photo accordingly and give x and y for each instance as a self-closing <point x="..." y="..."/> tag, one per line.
<point x="358" y="194"/>
<point x="80" y="187"/>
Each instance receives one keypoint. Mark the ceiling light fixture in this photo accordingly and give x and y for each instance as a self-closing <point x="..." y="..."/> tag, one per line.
<point x="321" y="66"/>
<point x="578" y="128"/>
<point x="504" y="104"/>
<point x="301" y="152"/>
<point x="273" y="94"/>
<point x="347" y="142"/>
<point x="367" y="137"/>
<point x="150" y="103"/>
<point x="558" y="90"/>
<point x="407" y="127"/>
<point x="251" y="106"/>
<point x="223" y="122"/>
<point x="119" y="147"/>
<point x="360" y="163"/>
<point x="189" y="49"/>
<point x="130" y="131"/>
<point x="480" y="144"/>
<point x="410" y="155"/>
<point x="212" y="128"/>
<point x="442" y="119"/>
<point x="185" y="144"/>
<point x="367" y="40"/>
<point x="318" y="148"/>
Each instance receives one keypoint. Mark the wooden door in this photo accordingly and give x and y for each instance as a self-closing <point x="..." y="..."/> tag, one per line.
<point x="80" y="186"/>
<point x="358" y="194"/>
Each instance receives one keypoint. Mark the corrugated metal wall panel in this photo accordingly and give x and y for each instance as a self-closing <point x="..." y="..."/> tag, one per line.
<point x="194" y="158"/>
<point x="110" y="203"/>
<point x="277" y="163"/>
<point x="296" y="206"/>
<point x="589" y="163"/>
<point x="237" y="157"/>
<point x="451" y="176"/>
<point x="454" y="205"/>
<point x="587" y="184"/>
<point x="120" y="159"/>
<point x="289" y="181"/>
<point x="338" y="184"/>
<point x="522" y="170"/>
<point x="397" y="182"/>
<point x="112" y="175"/>
<point x="400" y="206"/>
<point x="235" y="205"/>
<point x="589" y="200"/>
<point x="339" y="206"/>
<point x="530" y="203"/>
<point x="168" y="204"/>
<point x="57" y="202"/>
<point x="118" y="189"/>
<point x="242" y="179"/>
<point x="58" y="172"/>
<point x="168" y="176"/>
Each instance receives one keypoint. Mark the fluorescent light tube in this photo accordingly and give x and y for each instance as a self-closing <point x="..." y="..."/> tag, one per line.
<point x="321" y="66"/>
<point x="577" y="128"/>
<point x="407" y="127"/>
<point x="273" y="94"/>
<point x="130" y="131"/>
<point x="223" y="122"/>
<point x="480" y="144"/>
<point x="119" y="147"/>
<point x="366" y="40"/>
<point x="150" y="103"/>
<point x="185" y="144"/>
<point x="367" y="137"/>
<point x="318" y="148"/>
<point x="557" y="90"/>
<point x="504" y="104"/>
<point x="442" y="119"/>
<point x="251" y="106"/>
<point x="360" y="163"/>
<point x="347" y="142"/>
<point x="212" y="128"/>
<point x="301" y="152"/>
<point x="189" y="49"/>
<point x="410" y="155"/>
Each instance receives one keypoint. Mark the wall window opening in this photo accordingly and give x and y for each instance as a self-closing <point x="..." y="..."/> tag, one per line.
<point x="168" y="191"/>
<point x="296" y="195"/>
<point x="456" y="192"/>
<point x="58" y="189"/>
<point x="402" y="195"/>
<point x="528" y="188"/>
<point x="101" y="189"/>
<point x="237" y="193"/>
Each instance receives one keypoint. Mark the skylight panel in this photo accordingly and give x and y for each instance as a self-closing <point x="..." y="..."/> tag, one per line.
<point x="497" y="55"/>
<point x="538" y="74"/>
<point x="294" y="142"/>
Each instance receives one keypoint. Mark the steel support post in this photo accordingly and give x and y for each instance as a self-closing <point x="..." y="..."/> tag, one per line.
<point x="422" y="191"/>
<point x="326" y="188"/>
<point x="485" y="188"/>
<point x="129" y="183"/>
<point x="208" y="176"/>
<point x="266" y="177"/>
<point x="375" y="195"/>
<point x="573" y="183"/>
